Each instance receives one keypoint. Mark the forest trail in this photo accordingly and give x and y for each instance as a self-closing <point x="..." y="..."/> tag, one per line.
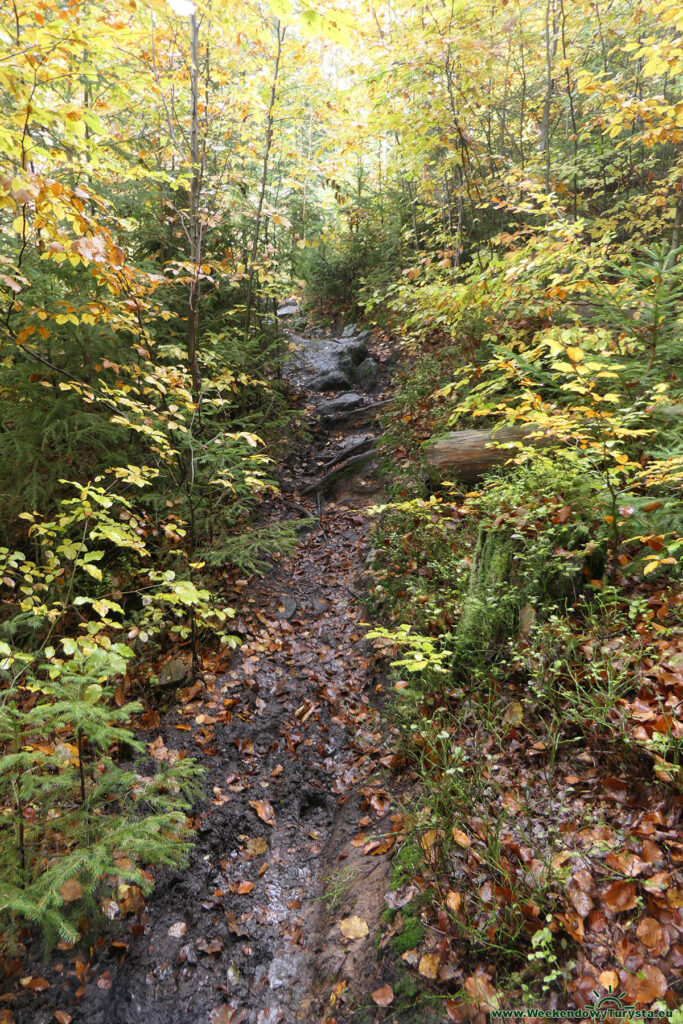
<point x="289" y="736"/>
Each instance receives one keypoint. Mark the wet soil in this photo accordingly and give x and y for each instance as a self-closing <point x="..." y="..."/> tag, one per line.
<point x="291" y="740"/>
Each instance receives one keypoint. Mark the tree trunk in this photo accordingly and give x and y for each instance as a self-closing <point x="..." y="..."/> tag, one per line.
<point x="264" y="177"/>
<point x="194" y="226"/>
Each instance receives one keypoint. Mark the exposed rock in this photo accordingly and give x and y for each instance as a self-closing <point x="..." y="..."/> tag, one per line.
<point x="349" y="331"/>
<point x="362" y="335"/>
<point x="356" y="350"/>
<point x="342" y="403"/>
<point x="328" y="364"/>
<point x="335" y="380"/>
<point x="173" y="674"/>
<point x="287" y="608"/>
<point x="347" y="365"/>
<point x="367" y="373"/>
<point x="288" y="309"/>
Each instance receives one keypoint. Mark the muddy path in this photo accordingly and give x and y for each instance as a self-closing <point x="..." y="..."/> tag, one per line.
<point x="297" y="827"/>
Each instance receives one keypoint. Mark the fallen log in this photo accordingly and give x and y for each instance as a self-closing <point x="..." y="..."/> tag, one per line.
<point x="469" y="453"/>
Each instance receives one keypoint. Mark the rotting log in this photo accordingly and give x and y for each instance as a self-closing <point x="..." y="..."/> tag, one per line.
<point x="469" y="453"/>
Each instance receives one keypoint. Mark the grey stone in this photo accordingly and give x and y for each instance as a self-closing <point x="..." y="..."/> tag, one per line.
<point x="335" y="380"/>
<point x="356" y="350"/>
<point x="173" y="674"/>
<point x="349" y="331"/>
<point x="367" y="373"/>
<point x="342" y="403"/>
<point x="347" y="365"/>
<point x="362" y="335"/>
<point x="287" y="608"/>
<point x="288" y="309"/>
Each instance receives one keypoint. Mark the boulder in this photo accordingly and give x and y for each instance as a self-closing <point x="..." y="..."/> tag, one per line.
<point x="367" y="373"/>
<point x="287" y="608"/>
<point x="342" y="403"/>
<point x="334" y="380"/>
<point x="349" y="331"/>
<point x="356" y="350"/>
<point x="347" y="365"/>
<point x="173" y="673"/>
<point x="289" y="308"/>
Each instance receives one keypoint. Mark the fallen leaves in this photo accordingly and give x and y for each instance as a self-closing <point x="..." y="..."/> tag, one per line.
<point x="265" y="811"/>
<point x="177" y="930"/>
<point x="609" y="980"/>
<point x="210" y="948"/>
<point x="646" y="985"/>
<point x="429" y="965"/>
<point x="71" y="890"/>
<point x="354" y="927"/>
<point x="226" y="1014"/>
<point x="35" y="984"/>
<point x="620" y="896"/>
<point x="482" y="991"/>
<point x="383" y="996"/>
<point x="131" y="899"/>
<point x="453" y="901"/>
<point x="256" y="847"/>
<point x="460" y="837"/>
<point x="650" y="933"/>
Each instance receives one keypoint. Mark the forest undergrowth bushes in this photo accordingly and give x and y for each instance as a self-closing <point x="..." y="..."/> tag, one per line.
<point x="101" y="585"/>
<point x="125" y="492"/>
<point x="533" y="623"/>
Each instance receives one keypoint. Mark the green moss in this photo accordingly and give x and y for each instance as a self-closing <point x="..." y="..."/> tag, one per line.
<point x="410" y="937"/>
<point x="406" y="987"/>
<point x="408" y="859"/>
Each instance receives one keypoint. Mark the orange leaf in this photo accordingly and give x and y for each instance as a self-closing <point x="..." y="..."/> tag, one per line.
<point x="609" y="980"/>
<point x="620" y="896"/>
<point x="383" y="996"/>
<point x="646" y="985"/>
<point x="265" y="811"/>
<point x="461" y="838"/>
<point x="649" y="932"/>
<point x="481" y="989"/>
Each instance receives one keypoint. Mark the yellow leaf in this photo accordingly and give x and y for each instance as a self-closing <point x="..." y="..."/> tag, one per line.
<point x="453" y="901"/>
<point x="354" y="927"/>
<point x="461" y="838"/>
<point x="609" y="979"/>
<point x="575" y="354"/>
<point x="514" y="714"/>
<point x="429" y="965"/>
<point x="650" y="567"/>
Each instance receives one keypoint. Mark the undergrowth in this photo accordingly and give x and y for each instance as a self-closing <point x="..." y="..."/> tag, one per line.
<point x="533" y="624"/>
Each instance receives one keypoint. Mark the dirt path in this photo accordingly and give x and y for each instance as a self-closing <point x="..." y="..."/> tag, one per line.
<point x="289" y="737"/>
